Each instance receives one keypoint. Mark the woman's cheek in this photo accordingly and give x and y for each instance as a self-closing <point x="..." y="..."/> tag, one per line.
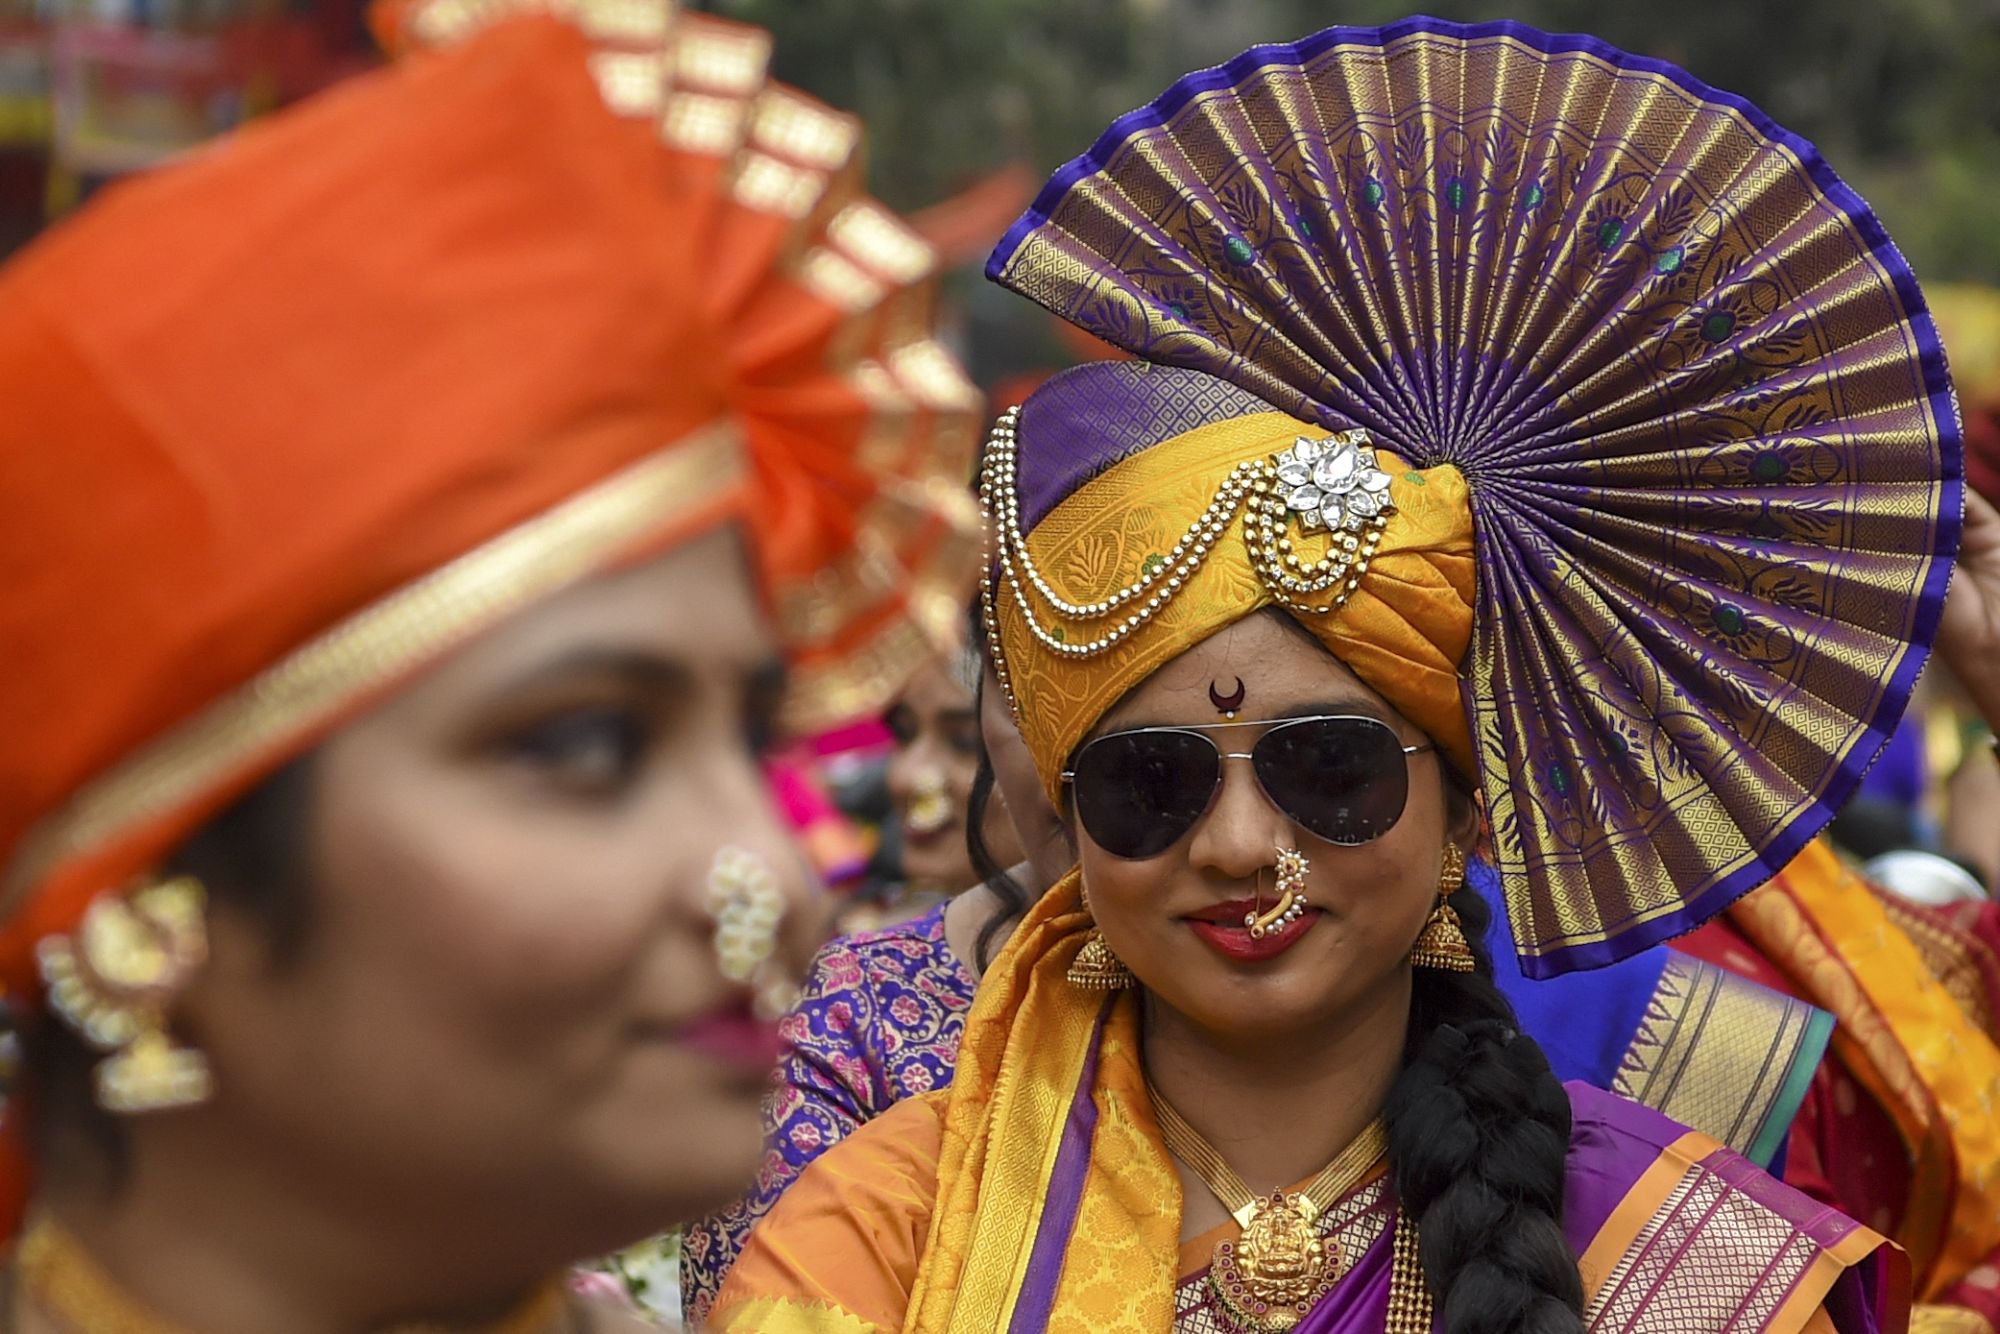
<point x="1130" y="894"/>
<point x="502" y="908"/>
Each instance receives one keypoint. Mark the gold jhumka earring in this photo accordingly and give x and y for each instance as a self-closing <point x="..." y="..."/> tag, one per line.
<point x="1095" y="967"/>
<point x="1442" y="942"/>
<point x="748" y="906"/>
<point x="112" y="981"/>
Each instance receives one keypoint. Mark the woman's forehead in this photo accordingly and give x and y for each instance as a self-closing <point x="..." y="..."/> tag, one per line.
<point x="1278" y="669"/>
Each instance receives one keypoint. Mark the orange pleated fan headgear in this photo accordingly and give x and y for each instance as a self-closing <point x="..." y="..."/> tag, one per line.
<point x="291" y="417"/>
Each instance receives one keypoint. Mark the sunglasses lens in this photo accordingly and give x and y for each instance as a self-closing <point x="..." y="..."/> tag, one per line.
<point x="1344" y="779"/>
<point x="1138" y="792"/>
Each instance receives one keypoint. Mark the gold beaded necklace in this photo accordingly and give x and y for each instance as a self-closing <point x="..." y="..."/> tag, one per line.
<point x="65" y="1284"/>
<point x="1269" y="1277"/>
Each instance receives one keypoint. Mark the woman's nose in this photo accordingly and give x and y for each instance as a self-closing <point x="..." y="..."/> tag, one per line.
<point x="1241" y="828"/>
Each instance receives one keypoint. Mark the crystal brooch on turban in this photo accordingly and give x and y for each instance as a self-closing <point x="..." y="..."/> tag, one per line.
<point x="1333" y="483"/>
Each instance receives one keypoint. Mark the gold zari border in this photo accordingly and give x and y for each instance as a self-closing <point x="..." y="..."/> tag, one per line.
<point x="1937" y="1319"/>
<point x="376" y="645"/>
<point x="1714" y="1052"/>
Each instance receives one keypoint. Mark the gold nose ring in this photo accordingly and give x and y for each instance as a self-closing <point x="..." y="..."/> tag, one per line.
<point x="747" y="905"/>
<point x="1292" y="868"/>
<point x="930" y="804"/>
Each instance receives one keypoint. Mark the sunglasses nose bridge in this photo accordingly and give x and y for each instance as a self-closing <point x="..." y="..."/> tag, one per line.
<point x="1236" y="832"/>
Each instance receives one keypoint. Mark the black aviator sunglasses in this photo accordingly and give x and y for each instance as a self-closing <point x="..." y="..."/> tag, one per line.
<point x="1344" y="779"/>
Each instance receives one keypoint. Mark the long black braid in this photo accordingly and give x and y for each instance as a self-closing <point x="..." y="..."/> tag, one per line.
<point x="1478" y="1131"/>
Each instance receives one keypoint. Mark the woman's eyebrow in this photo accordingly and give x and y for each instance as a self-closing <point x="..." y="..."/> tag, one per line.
<point x="640" y="667"/>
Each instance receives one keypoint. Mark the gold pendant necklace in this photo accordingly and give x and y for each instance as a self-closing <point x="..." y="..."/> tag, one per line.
<point x="1269" y="1277"/>
<point x="68" y="1286"/>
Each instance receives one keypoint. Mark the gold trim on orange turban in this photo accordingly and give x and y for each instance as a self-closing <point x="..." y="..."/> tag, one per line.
<point x="290" y="418"/>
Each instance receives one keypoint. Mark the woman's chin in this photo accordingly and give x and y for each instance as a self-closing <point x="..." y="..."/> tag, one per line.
<point x="1261" y="1020"/>
<point x="1298" y="991"/>
<point x="677" y="1163"/>
<point x="939" y="867"/>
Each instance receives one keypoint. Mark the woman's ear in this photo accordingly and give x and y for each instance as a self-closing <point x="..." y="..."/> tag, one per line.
<point x="1463" y="823"/>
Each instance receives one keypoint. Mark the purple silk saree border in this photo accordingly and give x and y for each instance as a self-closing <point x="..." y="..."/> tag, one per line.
<point x="1619" y="942"/>
<point x="1065" y="1195"/>
<point x="1709" y="1229"/>
<point x="1725" y="1233"/>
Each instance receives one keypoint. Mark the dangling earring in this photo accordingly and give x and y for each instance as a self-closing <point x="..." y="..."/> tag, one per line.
<point x="112" y="982"/>
<point x="1095" y="967"/>
<point x="1442" y="942"/>
<point x="747" y="905"/>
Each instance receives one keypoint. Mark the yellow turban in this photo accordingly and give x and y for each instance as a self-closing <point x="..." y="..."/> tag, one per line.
<point x="1402" y="628"/>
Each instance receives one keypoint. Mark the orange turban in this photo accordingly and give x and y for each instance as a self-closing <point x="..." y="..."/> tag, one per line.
<point x="1402" y="627"/>
<point x="292" y="417"/>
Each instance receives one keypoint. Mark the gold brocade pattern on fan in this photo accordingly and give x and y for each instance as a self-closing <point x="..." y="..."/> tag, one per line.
<point x="1703" y="416"/>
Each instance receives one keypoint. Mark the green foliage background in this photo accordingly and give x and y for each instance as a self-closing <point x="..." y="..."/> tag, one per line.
<point x="1903" y="96"/>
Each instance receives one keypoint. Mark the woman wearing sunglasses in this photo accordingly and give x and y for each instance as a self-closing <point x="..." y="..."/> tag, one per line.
<point x="1483" y="466"/>
<point x="393" y="909"/>
<point x="881" y="1016"/>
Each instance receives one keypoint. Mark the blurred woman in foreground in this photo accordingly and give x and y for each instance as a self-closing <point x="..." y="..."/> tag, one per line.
<point x="417" y="510"/>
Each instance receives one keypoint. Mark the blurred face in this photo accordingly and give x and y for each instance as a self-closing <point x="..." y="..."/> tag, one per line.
<point x="1037" y="827"/>
<point x="1175" y="918"/>
<point x="509" y="1001"/>
<point x="936" y="730"/>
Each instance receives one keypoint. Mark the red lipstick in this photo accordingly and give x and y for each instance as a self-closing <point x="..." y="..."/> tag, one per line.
<point x="734" y="1035"/>
<point x="1220" y="927"/>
